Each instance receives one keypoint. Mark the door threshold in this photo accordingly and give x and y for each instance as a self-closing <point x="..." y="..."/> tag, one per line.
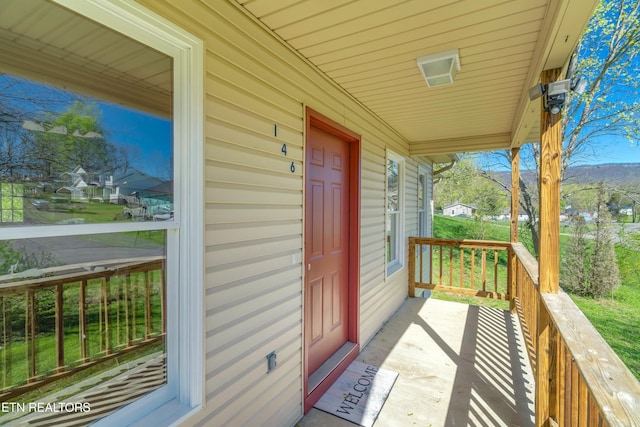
<point x="329" y="365"/>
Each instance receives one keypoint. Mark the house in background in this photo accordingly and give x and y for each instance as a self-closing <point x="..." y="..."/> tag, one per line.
<point x="135" y="185"/>
<point x="506" y="215"/>
<point x="460" y="209"/>
<point x="304" y="136"/>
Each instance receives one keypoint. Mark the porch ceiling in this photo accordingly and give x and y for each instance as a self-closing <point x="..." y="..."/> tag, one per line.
<point x="46" y="42"/>
<point x="369" y="48"/>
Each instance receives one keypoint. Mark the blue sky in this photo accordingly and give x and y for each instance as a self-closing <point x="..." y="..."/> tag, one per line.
<point x="149" y="134"/>
<point x="618" y="151"/>
<point x="152" y="134"/>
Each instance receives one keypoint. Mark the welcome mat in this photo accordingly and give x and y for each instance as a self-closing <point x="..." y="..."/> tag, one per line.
<point x="359" y="393"/>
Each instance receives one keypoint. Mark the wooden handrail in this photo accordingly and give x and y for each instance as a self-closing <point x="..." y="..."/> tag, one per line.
<point x="579" y="378"/>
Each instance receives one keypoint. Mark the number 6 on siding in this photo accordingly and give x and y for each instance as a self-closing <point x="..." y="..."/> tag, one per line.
<point x="292" y="168"/>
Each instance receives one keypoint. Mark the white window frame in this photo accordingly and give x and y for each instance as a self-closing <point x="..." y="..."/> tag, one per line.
<point x="395" y="265"/>
<point x="183" y="393"/>
<point x="423" y="211"/>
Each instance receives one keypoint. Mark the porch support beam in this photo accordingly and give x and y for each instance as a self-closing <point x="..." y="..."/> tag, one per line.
<point x="550" y="152"/>
<point x="436" y="147"/>
<point x="515" y="207"/>
<point x="515" y="193"/>
<point x="549" y="258"/>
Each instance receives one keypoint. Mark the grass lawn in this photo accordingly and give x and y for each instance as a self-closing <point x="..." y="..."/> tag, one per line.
<point x="616" y="318"/>
<point x="89" y="212"/>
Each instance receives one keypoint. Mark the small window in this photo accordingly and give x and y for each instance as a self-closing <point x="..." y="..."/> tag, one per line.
<point x="395" y="205"/>
<point x="11" y="203"/>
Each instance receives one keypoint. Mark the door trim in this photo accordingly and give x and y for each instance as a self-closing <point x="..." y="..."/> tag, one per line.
<point x="314" y="118"/>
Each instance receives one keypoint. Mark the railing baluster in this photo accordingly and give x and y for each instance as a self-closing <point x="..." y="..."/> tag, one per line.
<point x="484" y="270"/>
<point x="583" y="402"/>
<point x="127" y="336"/>
<point x="82" y="320"/>
<point x="147" y="305"/>
<point x="461" y="268"/>
<point x="561" y="380"/>
<point x="421" y="262"/>
<point x="59" y="325"/>
<point x="473" y="268"/>
<point x="575" y="395"/>
<point x="440" y="282"/>
<point x="100" y="329"/>
<point x="163" y="300"/>
<point x="30" y="329"/>
<point x="134" y="317"/>
<point x="450" y="266"/>
<point x="118" y="307"/>
<point x="6" y="345"/>
<point x="430" y="264"/>
<point x="495" y="271"/>
<point x="106" y="284"/>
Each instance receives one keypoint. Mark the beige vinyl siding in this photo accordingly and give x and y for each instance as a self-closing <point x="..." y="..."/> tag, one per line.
<point x="254" y="213"/>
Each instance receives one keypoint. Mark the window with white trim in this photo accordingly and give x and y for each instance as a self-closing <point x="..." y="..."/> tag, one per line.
<point x="101" y="252"/>
<point x="423" y="202"/>
<point x="395" y="218"/>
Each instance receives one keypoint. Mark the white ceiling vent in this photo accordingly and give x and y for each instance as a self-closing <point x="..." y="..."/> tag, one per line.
<point x="440" y="68"/>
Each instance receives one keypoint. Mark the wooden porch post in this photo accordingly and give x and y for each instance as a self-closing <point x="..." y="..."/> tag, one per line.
<point x="549" y="258"/>
<point x="550" y="151"/>
<point x="515" y="207"/>
<point x="515" y="192"/>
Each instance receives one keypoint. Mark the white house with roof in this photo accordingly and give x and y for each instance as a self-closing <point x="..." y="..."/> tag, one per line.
<point x="460" y="209"/>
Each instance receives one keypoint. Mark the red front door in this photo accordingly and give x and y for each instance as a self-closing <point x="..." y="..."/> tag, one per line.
<point x="326" y="245"/>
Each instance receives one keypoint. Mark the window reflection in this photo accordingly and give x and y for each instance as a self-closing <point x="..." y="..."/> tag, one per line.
<point x="78" y="307"/>
<point x="69" y="159"/>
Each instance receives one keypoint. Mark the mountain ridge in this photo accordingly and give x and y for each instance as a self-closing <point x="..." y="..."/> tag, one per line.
<point x="612" y="174"/>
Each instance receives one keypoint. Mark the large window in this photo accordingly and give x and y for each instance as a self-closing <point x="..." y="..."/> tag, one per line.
<point x="394" y="221"/>
<point x="100" y="215"/>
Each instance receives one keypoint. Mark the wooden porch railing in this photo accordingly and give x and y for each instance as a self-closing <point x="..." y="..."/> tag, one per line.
<point x="111" y="308"/>
<point x="470" y="267"/>
<point x="580" y="381"/>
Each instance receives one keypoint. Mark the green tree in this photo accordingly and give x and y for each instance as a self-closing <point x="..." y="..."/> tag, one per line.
<point x="574" y="267"/>
<point x="455" y="184"/>
<point x="74" y="138"/>
<point x="592" y="270"/>
<point x="464" y="183"/>
<point x="604" y="275"/>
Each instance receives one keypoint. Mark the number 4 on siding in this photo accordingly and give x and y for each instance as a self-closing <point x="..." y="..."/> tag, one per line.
<point x="284" y="149"/>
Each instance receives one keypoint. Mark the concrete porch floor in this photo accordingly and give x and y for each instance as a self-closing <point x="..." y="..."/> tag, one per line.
<point x="458" y="365"/>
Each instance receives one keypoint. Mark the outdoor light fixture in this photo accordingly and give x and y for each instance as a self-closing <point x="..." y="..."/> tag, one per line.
<point x="556" y="93"/>
<point x="440" y="68"/>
